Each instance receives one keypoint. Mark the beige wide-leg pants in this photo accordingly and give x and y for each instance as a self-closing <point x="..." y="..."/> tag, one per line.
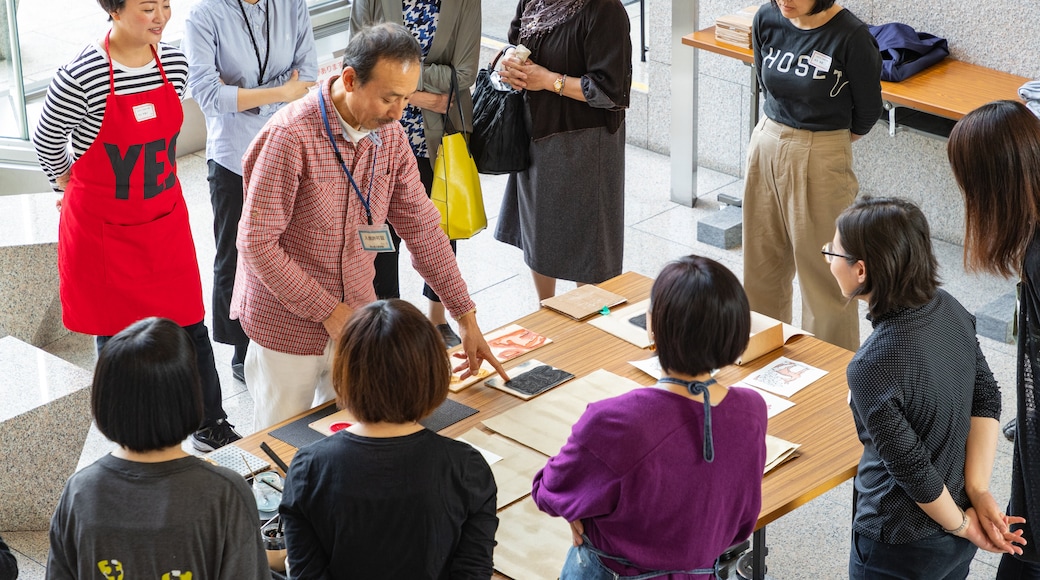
<point x="797" y="182"/>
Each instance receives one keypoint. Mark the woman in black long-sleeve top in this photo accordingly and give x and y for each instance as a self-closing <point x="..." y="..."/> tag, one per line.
<point x="923" y="398"/>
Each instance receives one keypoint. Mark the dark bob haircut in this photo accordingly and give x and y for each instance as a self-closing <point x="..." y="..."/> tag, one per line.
<point x="390" y="364"/>
<point x="146" y="393"/>
<point x="818" y="6"/>
<point x="994" y="153"/>
<point x="699" y="316"/>
<point x="383" y="41"/>
<point x="892" y="238"/>
<point x="110" y="6"/>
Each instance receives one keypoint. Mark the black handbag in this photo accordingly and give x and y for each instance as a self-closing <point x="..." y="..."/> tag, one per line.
<point x="500" y="142"/>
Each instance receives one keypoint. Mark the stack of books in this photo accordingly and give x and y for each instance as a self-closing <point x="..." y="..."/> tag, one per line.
<point x="736" y="28"/>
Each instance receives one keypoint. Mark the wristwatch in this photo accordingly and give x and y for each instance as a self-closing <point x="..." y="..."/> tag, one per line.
<point x="558" y="84"/>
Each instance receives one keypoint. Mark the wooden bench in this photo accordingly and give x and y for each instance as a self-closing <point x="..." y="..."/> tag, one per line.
<point x="950" y="89"/>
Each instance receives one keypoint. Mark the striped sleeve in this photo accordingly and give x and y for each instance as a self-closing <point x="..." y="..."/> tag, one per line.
<point x="75" y="103"/>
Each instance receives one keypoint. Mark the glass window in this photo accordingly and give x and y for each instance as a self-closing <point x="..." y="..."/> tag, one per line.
<point x="52" y="32"/>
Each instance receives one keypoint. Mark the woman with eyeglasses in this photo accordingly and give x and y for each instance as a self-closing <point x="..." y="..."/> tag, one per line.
<point x="923" y="399"/>
<point x="994" y="152"/>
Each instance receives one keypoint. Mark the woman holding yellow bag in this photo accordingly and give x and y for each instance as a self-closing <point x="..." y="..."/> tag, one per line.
<point x="449" y="35"/>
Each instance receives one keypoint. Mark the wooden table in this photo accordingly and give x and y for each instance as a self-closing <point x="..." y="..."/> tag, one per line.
<point x="820" y="420"/>
<point x="950" y="89"/>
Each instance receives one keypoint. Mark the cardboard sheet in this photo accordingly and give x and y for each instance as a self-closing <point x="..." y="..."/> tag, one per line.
<point x="515" y="471"/>
<point x="618" y="323"/>
<point x="544" y="423"/>
<point x="531" y="544"/>
<point x="583" y="301"/>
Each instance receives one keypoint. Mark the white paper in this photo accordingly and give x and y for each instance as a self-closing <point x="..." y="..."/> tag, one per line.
<point x="785" y="377"/>
<point x="650" y="366"/>
<point x="617" y="323"/>
<point x="774" y="404"/>
<point x="490" y="457"/>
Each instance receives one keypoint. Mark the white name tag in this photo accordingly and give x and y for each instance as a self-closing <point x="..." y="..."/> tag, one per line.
<point x="376" y="238"/>
<point x="820" y="61"/>
<point x="144" y="112"/>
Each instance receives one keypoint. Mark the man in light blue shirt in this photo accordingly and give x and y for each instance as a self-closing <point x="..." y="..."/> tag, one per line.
<point x="246" y="59"/>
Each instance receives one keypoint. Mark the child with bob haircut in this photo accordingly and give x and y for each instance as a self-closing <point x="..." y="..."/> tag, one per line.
<point x="386" y="498"/>
<point x="658" y="482"/>
<point x="149" y="509"/>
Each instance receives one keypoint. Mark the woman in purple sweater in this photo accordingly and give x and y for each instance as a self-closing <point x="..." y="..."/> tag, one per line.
<point x="658" y="482"/>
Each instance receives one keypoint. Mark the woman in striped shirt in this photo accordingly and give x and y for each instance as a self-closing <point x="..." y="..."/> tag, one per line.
<point x="125" y="250"/>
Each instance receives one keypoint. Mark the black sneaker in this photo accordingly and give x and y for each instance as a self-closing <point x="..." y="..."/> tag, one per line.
<point x="238" y="370"/>
<point x="214" y="436"/>
<point x="450" y="338"/>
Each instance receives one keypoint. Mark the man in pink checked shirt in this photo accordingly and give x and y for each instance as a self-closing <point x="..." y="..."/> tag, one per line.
<point x="321" y="180"/>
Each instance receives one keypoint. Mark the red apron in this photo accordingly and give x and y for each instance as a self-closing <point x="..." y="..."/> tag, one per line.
<point x="125" y="250"/>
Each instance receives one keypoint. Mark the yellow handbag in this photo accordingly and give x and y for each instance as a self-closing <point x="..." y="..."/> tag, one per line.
<point x="456" y="183"/>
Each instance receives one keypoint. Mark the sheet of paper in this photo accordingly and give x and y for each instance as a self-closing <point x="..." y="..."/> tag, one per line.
<point x="774" y="404"/>
<point x="618" y="323"/>
<point x="544" y="423"/>
<point x="778" y="451"/>
<point x="784" y="377"/>
<point x="531" y="544"/>
<point x="514" y="340"/>
<point x="791" y="331"/>
<point x="516" y="468"/>
<point x="650" y="366"/>
<point x="491" y="458"/>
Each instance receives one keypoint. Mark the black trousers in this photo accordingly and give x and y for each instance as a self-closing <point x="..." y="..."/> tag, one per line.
<point x="225" y="195"/>
<point x="387" y="282"/>
<point x="212" y="399"/>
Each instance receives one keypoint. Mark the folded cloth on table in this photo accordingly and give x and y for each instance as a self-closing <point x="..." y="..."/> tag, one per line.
<point x="1030" y="93"/>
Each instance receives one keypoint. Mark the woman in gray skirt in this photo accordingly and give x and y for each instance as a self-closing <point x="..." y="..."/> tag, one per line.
<point x="566" y="211"/>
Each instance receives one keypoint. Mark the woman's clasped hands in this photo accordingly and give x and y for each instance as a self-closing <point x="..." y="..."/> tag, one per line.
<point x="526" y="74"/>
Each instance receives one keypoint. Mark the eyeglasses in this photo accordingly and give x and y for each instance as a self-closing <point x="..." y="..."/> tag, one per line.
<point x="829" y="254"/>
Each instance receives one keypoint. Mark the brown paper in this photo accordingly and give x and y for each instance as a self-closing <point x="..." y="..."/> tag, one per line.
<point x="531" y="544"/>
<point x="515" y="471"/>
<point x="544" y="423"/>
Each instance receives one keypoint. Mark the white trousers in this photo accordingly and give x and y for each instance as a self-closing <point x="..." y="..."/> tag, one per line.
<point x="284" y="385"/>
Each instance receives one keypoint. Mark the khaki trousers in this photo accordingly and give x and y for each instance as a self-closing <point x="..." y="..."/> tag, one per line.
<point x="797" y="182"/>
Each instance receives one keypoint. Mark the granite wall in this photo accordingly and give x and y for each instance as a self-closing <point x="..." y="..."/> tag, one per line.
<point x="909" y="164"/>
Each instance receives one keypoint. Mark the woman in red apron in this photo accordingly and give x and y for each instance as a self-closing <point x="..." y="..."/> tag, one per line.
<point x="125" y="250"/>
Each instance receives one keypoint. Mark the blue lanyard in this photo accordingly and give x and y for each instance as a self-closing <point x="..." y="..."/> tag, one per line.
<point x="357" y="190"/>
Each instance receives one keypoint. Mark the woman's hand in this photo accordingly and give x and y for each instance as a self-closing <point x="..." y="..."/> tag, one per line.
<point x="294" y="88"/>
<point x="430" y="101"/>
<point x="991" y="537"/>
<point x="577" y="529"/>
<point x="527" y="75"/>
<point x="995" y="524"/>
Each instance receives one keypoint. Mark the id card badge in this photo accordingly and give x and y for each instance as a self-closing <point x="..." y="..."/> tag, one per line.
<point x="820" y="61"/>
<point x="376" y="238"/>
